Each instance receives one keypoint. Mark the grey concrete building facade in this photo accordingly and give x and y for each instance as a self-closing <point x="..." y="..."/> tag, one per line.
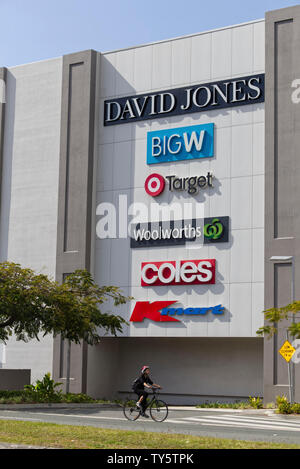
<point x="66" y="158"/>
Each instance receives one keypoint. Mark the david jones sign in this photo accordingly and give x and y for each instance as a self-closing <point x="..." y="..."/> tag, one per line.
<point x="205" y="97"/>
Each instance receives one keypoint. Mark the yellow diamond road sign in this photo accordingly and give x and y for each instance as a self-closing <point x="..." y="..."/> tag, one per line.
<point x="287" y="351"/>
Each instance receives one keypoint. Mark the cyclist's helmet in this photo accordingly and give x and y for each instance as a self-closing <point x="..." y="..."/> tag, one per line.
<point x="145" y="367"/>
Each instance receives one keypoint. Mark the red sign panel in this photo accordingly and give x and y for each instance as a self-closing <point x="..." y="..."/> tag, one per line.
<point x="189" y="272"/>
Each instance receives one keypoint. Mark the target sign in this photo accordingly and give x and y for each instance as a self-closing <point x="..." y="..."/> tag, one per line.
<point x="154" y="184"/>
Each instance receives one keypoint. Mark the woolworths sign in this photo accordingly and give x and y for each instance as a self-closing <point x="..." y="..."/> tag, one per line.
<point x="179" y="232"/>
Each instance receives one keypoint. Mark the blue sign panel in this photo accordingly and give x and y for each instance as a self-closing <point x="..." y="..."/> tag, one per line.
<point x="182" y="143"/>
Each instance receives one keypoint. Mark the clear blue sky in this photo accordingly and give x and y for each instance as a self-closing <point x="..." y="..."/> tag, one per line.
<point x="34" y="30"/>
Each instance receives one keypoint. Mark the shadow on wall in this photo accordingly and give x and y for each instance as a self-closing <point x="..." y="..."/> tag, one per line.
<point x="7" y="164"/>
<point x="190" y="370"/>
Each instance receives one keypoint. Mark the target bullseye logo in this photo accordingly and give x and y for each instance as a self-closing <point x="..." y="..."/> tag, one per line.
<point x="154" y="184"/>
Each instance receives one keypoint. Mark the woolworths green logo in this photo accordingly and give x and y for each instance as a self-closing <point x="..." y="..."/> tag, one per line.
<point x="214" y="229"/>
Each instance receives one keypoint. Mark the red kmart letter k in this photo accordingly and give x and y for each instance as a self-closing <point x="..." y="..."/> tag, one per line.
<point x="145" y="309"/>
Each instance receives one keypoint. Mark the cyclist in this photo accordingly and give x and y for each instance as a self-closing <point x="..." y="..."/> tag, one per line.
<point x="144" y="381"/>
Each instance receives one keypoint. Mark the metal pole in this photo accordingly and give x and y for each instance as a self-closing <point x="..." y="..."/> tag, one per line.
<point x="290" y="374"/>
<point x="293" y="321"/>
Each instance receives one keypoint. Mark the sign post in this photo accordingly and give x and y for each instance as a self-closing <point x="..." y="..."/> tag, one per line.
<point x="287" y="351"/>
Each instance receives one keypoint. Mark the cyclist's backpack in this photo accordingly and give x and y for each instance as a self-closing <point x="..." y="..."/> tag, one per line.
<point x="134" y="384"/>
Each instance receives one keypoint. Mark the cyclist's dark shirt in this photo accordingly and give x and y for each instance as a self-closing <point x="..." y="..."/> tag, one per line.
<point x="140" y="382"/>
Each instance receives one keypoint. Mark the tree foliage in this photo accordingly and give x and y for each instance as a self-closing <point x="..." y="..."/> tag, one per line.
<point x="273" y="316"/>
<point x="31" y="304"/>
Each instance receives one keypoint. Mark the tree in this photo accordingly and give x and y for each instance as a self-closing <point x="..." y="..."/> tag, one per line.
<point x="275" y="315"/>
<point x="31" y="304"/>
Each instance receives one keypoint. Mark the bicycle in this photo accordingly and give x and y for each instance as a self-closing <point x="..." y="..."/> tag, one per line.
<point x="158" y="409"/>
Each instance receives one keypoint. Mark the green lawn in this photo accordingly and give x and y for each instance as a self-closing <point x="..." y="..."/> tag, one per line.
<point x="79" y="437"/>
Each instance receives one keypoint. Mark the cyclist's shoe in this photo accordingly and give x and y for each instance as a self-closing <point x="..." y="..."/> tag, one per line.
<point x="138" y="405"/>
<point x="143" y="414"/>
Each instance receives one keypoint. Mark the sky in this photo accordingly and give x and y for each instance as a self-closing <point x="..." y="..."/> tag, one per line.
<point x="33" y="30"/>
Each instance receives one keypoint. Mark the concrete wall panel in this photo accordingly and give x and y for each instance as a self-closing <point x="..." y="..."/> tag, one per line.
<point x="282" y="191"/>
<point x="29" y="192"/>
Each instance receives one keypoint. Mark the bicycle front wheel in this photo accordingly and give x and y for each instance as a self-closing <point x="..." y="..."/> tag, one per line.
<point x="131" y="411"/>
<point x="159" y="410"/>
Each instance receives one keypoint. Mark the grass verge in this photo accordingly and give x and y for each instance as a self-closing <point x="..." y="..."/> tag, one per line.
<point x="79" y="437"/>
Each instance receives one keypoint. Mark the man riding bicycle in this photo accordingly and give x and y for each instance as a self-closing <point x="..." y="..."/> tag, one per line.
<point x="144" y="381"/>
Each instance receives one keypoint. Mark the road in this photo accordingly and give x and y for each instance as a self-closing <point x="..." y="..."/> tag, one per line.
<point x="219" y="423"/>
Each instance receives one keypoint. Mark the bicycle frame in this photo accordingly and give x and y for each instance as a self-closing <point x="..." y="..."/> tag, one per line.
<point x="154" y="398"/>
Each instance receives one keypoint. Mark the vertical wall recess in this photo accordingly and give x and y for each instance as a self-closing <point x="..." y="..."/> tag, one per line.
<point x="282" y="189"/>
<point x="283" y="128"/>
<point x="74" y="230"/>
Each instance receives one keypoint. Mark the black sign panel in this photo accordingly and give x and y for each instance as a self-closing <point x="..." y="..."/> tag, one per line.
<point x="179" y="232"/>
<point x="196" y="98"/>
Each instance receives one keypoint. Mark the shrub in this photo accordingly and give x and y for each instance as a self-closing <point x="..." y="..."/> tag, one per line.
<point x="296" y="408"/>
<point x="76" y="398"/>
<point x="283" y="405"/>
<point x="241" y="405"/>
<point x="255" y="402"/>
<point x="44" y="390"/>
<point x="224" y="405"/>
<point x="11" y="394"/>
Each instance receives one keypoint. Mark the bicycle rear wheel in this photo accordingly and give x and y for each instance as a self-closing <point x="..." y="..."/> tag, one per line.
<point x="159" y="410"/>
<point x="131" y="411"/>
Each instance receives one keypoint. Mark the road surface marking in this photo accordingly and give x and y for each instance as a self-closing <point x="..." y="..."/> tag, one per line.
<point x="19" y="418"/>
<point x="241" y="423"/>
<point x="250" y="420"/>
